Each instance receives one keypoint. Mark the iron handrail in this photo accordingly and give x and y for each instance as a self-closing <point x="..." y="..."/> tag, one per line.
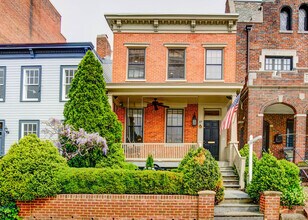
<point x="305" y="161"/>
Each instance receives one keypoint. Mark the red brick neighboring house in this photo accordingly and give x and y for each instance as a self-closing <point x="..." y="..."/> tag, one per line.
<point x="29" y="21"/>
<point x="172" y="80"/>
<point x="272" y="60"/>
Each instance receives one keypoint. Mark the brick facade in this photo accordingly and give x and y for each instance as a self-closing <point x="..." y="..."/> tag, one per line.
<point x="156" y="55"/>
<point x="156" y="134"/>
<point x="29" y="21"/>
<point x="270" y="205"/>
<point x="120" y="207"/>
<point x="277" y="126"/>
<point x="265" y="88"/>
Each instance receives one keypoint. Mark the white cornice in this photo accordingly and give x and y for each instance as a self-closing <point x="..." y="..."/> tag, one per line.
<point x="215" y="88"/>
<point x="172" y="23"/>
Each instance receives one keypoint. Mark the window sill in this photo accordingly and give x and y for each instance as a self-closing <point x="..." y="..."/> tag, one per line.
<point x="214" y="80"/>
<point x="135" y="80"/>
<point x="286" y="32"/>
<point x="30" y="101"/>
<point x="176" y="80"/>
<point x="302" y="32"/>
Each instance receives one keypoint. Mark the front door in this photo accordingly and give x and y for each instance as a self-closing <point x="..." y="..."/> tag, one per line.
<point x="2" y="133"/>
<point x="211" y="137"/>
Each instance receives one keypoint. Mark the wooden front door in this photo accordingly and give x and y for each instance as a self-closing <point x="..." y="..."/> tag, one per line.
<point x="211" y="137"/>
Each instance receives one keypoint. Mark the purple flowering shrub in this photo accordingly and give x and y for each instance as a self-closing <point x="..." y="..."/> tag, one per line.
<point x="70" y="142"/>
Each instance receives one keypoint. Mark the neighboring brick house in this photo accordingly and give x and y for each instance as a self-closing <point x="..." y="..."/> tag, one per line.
<point x="273" y="63"/>
<point x="29" y="21"/>
<point x="172" y="80"/>
<point x="34" y="83"/>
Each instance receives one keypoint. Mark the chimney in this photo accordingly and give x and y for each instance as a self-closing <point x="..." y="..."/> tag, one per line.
<point x="102" y="45"/>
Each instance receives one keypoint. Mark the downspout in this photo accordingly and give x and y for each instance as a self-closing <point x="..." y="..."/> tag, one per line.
<point x="248" y="29"/>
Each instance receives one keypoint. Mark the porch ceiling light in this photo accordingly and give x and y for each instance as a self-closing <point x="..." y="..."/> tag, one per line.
<point x="194" y="120"/>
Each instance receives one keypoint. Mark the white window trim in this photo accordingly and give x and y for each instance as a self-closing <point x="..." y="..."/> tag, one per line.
<point x="24" y="122"/>
<point x="137" y="47"/>
<point x="174" y="47"/>
<point x="2" y="68"/>
<point x="278" y="53"/>
<point x="24" y="84"/>
<point x="63" y="84"/>
<point x="215" y="47"/>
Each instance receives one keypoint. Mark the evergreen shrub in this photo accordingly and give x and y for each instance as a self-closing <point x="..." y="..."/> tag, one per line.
<point x="88" y="108"/>
<point x="201" y="172"/>
<point x="9" y="212"/>
<point x="120" y="181"/>
<point x="30" y="170"/>
<point x="271" y="174"/>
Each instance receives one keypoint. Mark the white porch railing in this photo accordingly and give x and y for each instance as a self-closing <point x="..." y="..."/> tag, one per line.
<point x="237" y="160"/>
<point x="160" y="151"/>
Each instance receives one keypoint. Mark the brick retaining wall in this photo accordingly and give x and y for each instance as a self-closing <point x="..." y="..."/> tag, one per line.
<point x="115" y="207"/>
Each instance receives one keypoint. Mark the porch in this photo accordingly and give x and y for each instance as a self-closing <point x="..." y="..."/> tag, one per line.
<point x="168" y="119"/>
<point x="164" y="154"/>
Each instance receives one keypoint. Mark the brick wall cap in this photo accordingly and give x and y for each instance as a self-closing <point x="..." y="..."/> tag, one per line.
<point x="272" y="193"/>
<point x="206" y="192"/>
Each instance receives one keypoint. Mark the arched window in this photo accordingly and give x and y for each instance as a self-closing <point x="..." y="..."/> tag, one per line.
<point x="286" y="19"/>
<point x="303" y="18"/>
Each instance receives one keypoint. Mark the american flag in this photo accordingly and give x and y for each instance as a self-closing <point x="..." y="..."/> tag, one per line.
<point x="226" y="122"/>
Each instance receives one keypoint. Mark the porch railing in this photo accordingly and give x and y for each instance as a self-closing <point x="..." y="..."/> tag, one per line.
<point x="237" y="160"/>
<point x="160" y="151"/>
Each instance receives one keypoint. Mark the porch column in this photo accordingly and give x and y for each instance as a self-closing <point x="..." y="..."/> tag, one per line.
<point x="300" y="137"/>
<point x="110" y="100"/>
<point x="234" y="125"/>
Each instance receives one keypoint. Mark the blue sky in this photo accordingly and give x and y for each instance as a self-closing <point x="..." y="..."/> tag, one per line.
<point x="82" y="20"/>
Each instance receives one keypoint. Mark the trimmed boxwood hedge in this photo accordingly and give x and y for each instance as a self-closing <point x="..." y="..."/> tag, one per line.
<point x="120" y="181"/>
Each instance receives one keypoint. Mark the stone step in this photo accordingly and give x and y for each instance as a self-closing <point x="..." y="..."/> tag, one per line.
<point x="230" y="187"/>
<point x="230" y="182"/>
<point x="239" y="216"/>
<point x="226" y="168"/>
<point x="227" y="173"/>
<point x="223" y="163"/>
<point x="231" y="177"/>
<point x="236" y="197"/>
<point x="227" y="207"/>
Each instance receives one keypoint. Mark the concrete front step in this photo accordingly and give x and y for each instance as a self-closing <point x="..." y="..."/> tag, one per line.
<point x="236" y="197"/>
<point x="226" y="168"/>
<point x="231" y="177"/>
<point x="227" y="207"/>
<point x="239" y="216"/>
<point x="231" y="187"/>
<point x="227" y="182"/>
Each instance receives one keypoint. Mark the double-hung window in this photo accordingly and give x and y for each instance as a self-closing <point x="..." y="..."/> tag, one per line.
<point x="214" y="61"/>
<point x="67" y="75"/>
<point x="134" y="129"/>
<point x="27" y="127"/>
<point x="2" y="83"/>
<point x="176" y="64"/>
<point x="136" y="64"/>
<point x="31" y="84"/>
<point x="174" y="127"/>
<point x="278" y="63"/>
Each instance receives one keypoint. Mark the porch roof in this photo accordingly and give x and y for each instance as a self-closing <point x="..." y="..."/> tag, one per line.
<point x="206" y="88"/>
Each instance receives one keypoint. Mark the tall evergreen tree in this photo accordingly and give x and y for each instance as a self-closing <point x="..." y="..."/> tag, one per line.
<point x="88" y="108"/>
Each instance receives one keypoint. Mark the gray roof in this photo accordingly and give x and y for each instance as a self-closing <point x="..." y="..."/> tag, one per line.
<point x="107" y="67"/>
<point x="248" y="10"/>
